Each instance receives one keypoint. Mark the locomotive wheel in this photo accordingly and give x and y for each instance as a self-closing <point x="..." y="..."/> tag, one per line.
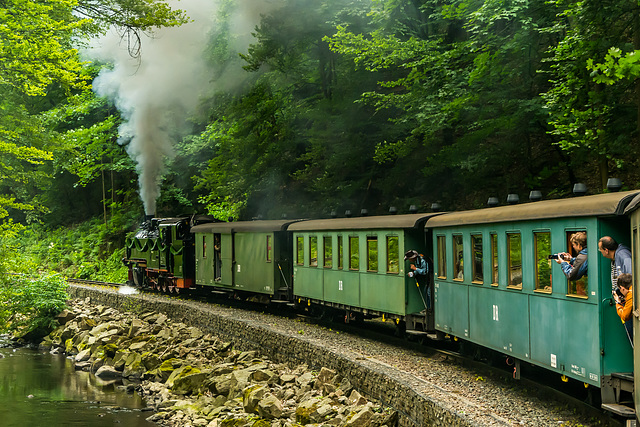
<point x="165" y="288"/>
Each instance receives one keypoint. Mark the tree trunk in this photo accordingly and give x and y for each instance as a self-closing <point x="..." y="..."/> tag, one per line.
<point x="104" y="199"/>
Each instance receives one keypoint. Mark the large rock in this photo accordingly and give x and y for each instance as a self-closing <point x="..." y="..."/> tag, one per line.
<point x="84" y="355"/>
<point x="133" y="368"/>
<point x="107" y="373"/>
<point x="270" y="407"/>
<point x="181" y="372"/>
<point x="251" y="396"/>
<point x="190" y="383"/>
<point x="361" y="419"/>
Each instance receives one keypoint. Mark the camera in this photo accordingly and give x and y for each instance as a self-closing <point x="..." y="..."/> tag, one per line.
<point x="555" y="256"/>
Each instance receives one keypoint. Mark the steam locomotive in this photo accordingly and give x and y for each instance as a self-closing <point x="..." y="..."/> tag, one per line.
<point x="490" y="280"/>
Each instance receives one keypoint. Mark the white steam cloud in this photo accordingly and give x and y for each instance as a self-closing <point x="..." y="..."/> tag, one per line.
<point x="157" y="92"/>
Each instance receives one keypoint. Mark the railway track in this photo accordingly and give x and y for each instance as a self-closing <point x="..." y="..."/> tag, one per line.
<point x="537" y="381"/>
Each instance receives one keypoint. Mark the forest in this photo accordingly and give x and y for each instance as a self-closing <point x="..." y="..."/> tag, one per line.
<point x="241" y="109"/>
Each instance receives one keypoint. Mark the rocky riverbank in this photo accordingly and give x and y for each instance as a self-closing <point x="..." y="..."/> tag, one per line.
<point x="195" y="379"/>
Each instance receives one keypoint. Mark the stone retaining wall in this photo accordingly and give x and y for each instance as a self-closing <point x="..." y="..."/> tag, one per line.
<point x="377" y="381"/>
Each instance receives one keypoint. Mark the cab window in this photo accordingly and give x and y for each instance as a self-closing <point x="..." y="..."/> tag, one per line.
<point x="328" y="251"/>
<point x="393" y="255"/>
<point x="542" y="250"/>
<point x="514" y="242"/>
<point x="458" y="262"/>
<point x="476" y="245"/>
<point x="354" y="253"/>
<point x="442" y="257"/>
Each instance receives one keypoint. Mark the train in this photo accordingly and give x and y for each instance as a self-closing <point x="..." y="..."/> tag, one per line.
<point x="491" y="282"/>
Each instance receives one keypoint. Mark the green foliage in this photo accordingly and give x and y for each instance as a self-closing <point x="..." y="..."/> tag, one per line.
<point x="88" y="250"/>
<point x="30" y="304"/>
<point x="594" y="121"/>
<point x="615" y="67"/>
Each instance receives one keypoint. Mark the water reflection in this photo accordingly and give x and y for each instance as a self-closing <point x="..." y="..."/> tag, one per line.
<point x="41" y="389"/>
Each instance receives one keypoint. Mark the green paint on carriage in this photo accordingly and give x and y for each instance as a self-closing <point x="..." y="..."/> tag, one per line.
<point x="570" y="328"/>
<point x="364" y="268"/>
<point x="253" y="256"/>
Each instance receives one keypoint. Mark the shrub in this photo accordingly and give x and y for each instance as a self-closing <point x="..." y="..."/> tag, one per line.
<point x="29" y="305"/>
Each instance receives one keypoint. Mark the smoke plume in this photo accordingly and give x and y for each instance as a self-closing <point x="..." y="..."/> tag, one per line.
<point x="158" y="91"/>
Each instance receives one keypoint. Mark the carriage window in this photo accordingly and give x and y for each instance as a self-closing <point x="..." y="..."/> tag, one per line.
<point x="494" y="259"/>
<point x="354" y="253"/>
<point x="372" y="253"/>
<point x="458" y="267"/>
<point x="393" y="255"/>
<point x="514" y="242"/>
<point x="340" y="253"/>
<point x="442" y="258"/>
<point x="476" y="244"/>
<point x="269" y="249"/>
<point x="204" y="246"/>
<point x="328" y="251"/>
<point x="300" y="250"/>
<point x="575" y="242"/>
<point x="542" y="250"/>
<point x="313" y="251"/>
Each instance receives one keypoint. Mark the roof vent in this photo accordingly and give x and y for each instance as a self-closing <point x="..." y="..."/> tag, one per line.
<point x="364" y="212"/>
<point x="347" y="213"/>
<point x="579" y="189"/>
<point x="413" y="209"/>
<point x="492" y="202"/>
<point x="513" y="199"/>
<point x="614" y="185"/>
<point x="334" y="214"/>
<point x="535" y="195"/>
<point x="436" y="207"/>
<point x="284" y="216"/>
<point x="393" y="210"/>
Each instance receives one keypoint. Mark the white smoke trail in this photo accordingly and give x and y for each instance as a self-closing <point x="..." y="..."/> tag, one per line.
<point x="156" y="94"/>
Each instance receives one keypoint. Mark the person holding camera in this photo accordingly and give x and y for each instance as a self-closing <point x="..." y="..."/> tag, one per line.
<point x="624" y="304"/>
<point x="575" y="267"/>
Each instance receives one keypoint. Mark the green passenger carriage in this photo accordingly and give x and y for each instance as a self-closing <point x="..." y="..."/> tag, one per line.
<point x="245" y="256"/>
<point x="496" y="287"/>
<point x="356" y="264"/>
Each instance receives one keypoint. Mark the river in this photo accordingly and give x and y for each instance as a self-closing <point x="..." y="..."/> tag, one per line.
<point x="41" y="389"/>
